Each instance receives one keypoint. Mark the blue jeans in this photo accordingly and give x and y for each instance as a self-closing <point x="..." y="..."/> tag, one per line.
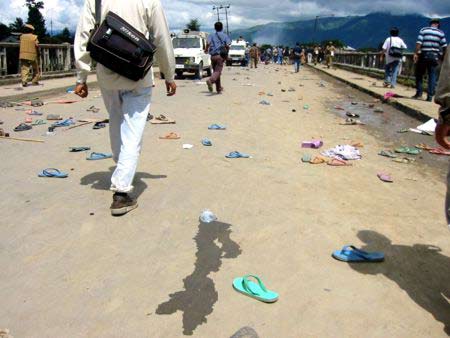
<point x="423" y="67"/>
<point x="296" y="65"/>
<point x="391" y="72"/>
<point x="280" y="59"/>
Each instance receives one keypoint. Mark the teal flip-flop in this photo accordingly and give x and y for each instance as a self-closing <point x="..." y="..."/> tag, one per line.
<point x="98" y="156"/>
<point x="216" y="126"/>
<point x="206" y="142"/>
<point x="254" y="290"/>
<point x="351" y="254"/>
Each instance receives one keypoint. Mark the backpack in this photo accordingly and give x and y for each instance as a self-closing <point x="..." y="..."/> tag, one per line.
<point x="223" y="50"/>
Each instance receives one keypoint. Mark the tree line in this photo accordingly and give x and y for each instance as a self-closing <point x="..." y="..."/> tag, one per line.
<point x="36" y="19"/>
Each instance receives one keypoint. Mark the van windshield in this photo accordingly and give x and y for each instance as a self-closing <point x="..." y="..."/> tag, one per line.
<point x="186" y="43"/>
<point x="237" y="47"/>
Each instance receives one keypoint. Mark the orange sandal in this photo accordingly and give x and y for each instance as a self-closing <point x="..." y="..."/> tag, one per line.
<point x="339" y="163"/>
<point x="170" y="136"/>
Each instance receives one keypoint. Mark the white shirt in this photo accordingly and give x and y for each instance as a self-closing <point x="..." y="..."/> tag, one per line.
<point x="148" y="17"/>
<point x="393" y="41"/>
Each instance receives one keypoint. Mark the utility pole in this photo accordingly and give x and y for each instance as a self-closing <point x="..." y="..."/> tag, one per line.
<point x="227" y="7"/>
<point x="216" y="8"/>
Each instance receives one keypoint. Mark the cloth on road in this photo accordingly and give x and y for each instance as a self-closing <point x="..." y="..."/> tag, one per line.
<point x="343" y="152"/>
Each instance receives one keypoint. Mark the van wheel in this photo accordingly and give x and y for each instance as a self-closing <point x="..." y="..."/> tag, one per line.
<point x="208" y="71"/>
<point x="199" y="72"/>
<point x="179" y="74"/>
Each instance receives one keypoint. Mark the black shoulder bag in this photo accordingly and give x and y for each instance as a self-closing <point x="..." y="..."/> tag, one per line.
<point x="223" y="50"/>
<point x="117" y="45"/>
<point x="395" y="52"/>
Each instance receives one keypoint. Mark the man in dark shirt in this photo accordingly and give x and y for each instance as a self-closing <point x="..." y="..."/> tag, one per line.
<point x="296" y="57"/>
<point x="216" y="43"/>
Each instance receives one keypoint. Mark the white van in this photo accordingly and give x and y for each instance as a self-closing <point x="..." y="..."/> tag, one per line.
<point x="237" y="52"/>
<point x="190" y="56"/>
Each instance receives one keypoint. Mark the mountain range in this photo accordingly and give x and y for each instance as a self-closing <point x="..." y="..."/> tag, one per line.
<point x="355" y="31"/>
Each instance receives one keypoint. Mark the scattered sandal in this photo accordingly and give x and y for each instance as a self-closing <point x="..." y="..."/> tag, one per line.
<point x="98" y="156"/>
<point x="339" y="163"/>
<point x="22" y="127"/>
<point x="439" y="151"/>
<point x="99" y="125"/>
<point x="78" y="149"/>
<point x="52" y="172"/>
<point x="408" y="150"/>
<point x="170" y="136"/>
<point x="216" y="126"/>
<point x="93" y="109"/>
<point x="352" y="122"/>
<point x="352" y="114"/>
<point x="38" y="122"/>
<point x="54" y="117"/>
<point x="385" y="177"/>
<point x="237" y="154"/>
<point x="405" y="160"/>
<point x="387" y="153"/>
<point x="319" y="160"/>
<point x="206" y="142"/>
<point x="352" y="254"/>
<point x="254" y="290"/>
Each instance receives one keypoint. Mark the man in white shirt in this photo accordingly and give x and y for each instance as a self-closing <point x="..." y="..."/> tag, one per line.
<point x="127" y="101"/>
<point x="392" y="49"/>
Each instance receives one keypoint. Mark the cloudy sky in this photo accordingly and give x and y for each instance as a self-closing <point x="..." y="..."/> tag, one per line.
<point x="243" y="13"/>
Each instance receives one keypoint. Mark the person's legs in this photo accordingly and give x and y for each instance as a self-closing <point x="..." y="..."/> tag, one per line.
<point x="25" y="71"/>
<point x="387" y="74"/>
<point x="394" y="70"/>
<point x="135" y="109"/>
<point x="36" y="74"/>
<point x="419" y="72"/>
<point x="431" y="70"/>
<point x="256" y="62"/>
<point x="296" y="65"/>
<point x="113" y="104"/>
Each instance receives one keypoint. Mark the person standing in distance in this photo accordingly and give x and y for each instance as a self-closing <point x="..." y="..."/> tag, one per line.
<point x="430" y="47"/>
<point x="29" y="55"/>
<point x="217" y="46"/>
<point x="127" y="101"/>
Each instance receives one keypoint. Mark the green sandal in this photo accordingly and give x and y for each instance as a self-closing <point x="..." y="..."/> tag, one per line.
<point x="38" y="123"/>
<point x="408" y="150"/>
<point x="251" y="289"/>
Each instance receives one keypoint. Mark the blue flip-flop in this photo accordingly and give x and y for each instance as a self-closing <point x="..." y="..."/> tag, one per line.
<point x="52" y="172"/>
<point x="351" y="254"/>
<point x="216" y="126"/>
<point x="98" y="156"/>
<point x="254" y="290"/>
<point x="65" y="123"/>
<point x="237" y="154"/>
<point x="206" y="142"/>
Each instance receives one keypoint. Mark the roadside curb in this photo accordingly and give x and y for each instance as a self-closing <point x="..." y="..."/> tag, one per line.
<point x="417" y="114"/>
<point x="42" y="93"/>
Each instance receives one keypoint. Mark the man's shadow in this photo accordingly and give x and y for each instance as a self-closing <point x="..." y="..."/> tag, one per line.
<point x="102" y="181"/>
<point x="421" y="270"/>
<point x="197" y="299"/>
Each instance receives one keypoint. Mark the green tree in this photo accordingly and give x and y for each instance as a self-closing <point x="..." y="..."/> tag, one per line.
<point x="4" y="31"/>
<point x="193" y="25"/>
<point x="36" y="18"/>
<point x="17" y="25"/>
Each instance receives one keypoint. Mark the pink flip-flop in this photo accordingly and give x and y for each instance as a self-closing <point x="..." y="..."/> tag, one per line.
<point x="439" y="151"/>
<point x="385" y="177"/>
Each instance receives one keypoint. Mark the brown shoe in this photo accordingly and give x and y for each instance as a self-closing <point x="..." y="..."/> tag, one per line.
<point x="122" y="203"/>
<point x="210" y="87"/>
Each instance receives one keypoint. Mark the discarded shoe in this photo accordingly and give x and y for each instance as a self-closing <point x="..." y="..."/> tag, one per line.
<point x="385" y="177"/>
<point x="216" y="126"/>
<point x="206" y="142"/>
<point x="387" y="153"/>
<point x="52" y="172"/>
<point x="254" y="290"/>
<point x="408" y="150"/>
<point x="78" y="149"/>
<point x="22" y="127"/>
<point x="352" y="254"/>
<point x="98" y="156"/>
<point x="170" y="136"/>
<point x="99" y="125"/>
<point x="237" y="154"/>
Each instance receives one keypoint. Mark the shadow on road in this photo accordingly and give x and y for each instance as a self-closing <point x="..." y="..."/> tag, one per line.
<point x="420" y="270"/>
<point x="102" y="181"/>
<point x="197" y="300"/>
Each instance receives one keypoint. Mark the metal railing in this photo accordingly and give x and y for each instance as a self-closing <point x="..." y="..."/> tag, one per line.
<point x="370" y="63"/>
<point x="53" y="58"/>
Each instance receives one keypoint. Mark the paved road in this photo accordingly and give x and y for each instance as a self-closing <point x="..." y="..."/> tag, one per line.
<point x="69" y="269"/>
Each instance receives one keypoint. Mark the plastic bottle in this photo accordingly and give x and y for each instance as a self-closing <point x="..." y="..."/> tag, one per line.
<point x="207" y="216"/>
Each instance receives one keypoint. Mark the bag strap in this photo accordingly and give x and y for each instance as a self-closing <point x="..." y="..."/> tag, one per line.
<point x="218" y="36"/>
<point x="98" y="12"/>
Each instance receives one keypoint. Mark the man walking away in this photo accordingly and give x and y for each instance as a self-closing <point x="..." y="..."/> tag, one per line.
<point x="29" y="55"/>
<point x="330" y="54"/>
<point x="316" y="55"/>
<point x="443" y="127"/>
<point x="254" y="56"/>
<point x="275" y="54"/>
<point x="127" y="101"/>
<point x="296" y="57"/>
<point x="309" y="55"/>
<point x="217" y="44"/>
<point x="430" y="47"/>
<point x="280" y="55"/>
<point x="393" y="51"/>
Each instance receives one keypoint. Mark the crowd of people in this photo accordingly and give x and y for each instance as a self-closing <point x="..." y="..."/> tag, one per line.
<point x="297" y="55"/>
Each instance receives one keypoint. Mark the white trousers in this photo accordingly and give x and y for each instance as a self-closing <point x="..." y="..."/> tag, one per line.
<point x="128" y="111"/>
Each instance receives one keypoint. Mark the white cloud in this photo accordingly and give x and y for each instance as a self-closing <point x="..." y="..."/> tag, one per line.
<point x="64" y="13"/>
